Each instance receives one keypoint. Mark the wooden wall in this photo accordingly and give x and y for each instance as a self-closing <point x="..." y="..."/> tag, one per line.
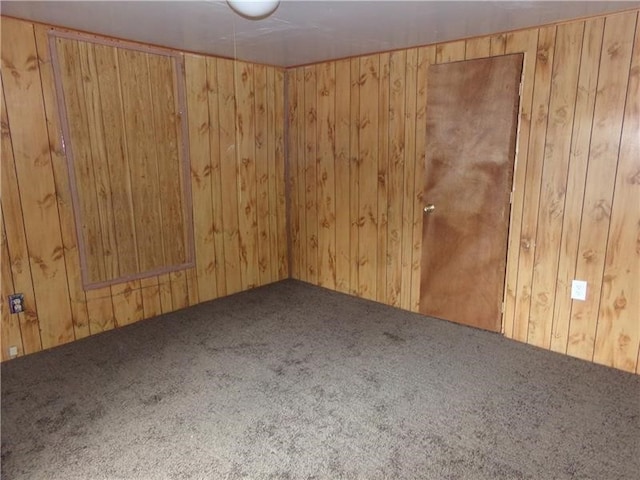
<point x="356" y="150"/>
<point x="236" y="141"/>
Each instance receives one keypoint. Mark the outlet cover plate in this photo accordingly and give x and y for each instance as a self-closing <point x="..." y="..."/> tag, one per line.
<point x="16" y="303"/>
<point x="579" y="290"/>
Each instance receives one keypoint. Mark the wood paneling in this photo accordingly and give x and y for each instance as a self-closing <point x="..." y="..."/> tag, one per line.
<point x="128" y="159"/>
<point x="575" y="200"/>
<point x="39" y="247"/>
<point x="35" y="184"/>
<point x="574" y="209"/>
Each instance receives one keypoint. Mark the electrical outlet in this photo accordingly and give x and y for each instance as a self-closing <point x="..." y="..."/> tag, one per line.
<point x="579" y="290"/>
<point x="13" y="351"/>
<point x="16" y="303"/>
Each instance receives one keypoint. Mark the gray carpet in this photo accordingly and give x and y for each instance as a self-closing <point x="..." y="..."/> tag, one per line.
<point x="291" y="381"/>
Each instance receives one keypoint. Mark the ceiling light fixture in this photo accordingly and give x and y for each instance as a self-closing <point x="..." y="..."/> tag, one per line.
<point x="254" y="9"/>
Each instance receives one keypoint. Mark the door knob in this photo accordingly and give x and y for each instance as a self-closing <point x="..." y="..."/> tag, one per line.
<point x="429" y="208"/>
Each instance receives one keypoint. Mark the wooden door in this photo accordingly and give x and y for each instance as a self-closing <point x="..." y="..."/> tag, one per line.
<point x="472" y="110"/>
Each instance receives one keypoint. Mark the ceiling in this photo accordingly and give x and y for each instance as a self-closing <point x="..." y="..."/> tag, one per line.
<point x="302" y="32"/>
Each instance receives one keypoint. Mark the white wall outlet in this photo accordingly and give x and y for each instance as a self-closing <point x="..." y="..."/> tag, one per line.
<point x="579" y="290"/>
<point x="13" y="351"/>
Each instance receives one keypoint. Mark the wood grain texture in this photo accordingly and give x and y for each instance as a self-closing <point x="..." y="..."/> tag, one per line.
<point x="40" y="249"/>
<point x="342" y="167"/>
<point x="554" y="180"/>
<point x="247" y="185"/>
<point x="311" y="172"/>
<point x="100" y="309"/>
<point x="61" y="178"/>
<point x="125" y="143"/>
<point x="15" y="238"/>
<point x="618" y="328"/>
<point x="562" y="78"/>
<point x="354" y="182"/>
<point x="368" y="81"/>
<point x="229" y="172"/>
<point x="533" y="179"/>
<point x="31" y="152"/>
<point x="127" y="302"/>
<point x="262" y="174"/>
<point x="277" y="105"/>
<point x="216" y="227"/>
<point x="198" y="103"/>
<point x="292" y="180"/>
<point x="396" y="129"/>
<point x="578" y="163"/>
<point x="609" y="344"/>
<point x="383" y="179"/>
<point x="524" y="41"/>
<point x="478" y="47"/>
<point x="617" y="45"/>
<point x="326" y="176"/>
<point x="408" y="183"/>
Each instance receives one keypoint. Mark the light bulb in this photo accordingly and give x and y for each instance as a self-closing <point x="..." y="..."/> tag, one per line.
<point x="254" y="9"/>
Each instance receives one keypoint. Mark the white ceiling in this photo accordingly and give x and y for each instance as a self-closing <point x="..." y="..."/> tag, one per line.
<point x="301" y="32"/>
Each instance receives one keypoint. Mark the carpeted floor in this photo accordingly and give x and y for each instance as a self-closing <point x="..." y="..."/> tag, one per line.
<point x="291" y="381"/>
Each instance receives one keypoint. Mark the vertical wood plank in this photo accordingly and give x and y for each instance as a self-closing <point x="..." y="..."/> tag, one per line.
<point x="409" y="175"/>
<point x="564" y="81"/>
<point x="262" y="147"/>
<point x="325" y="174"/>
<point x="368" y="179"/>
<point x="201" y="185"/>
<point x="310" y="167"/>
<point x="247" y="191"/>
<point x="619" y="31"/>
<point x="127" y="303"/>
<point x="383" y="178"/>
<point x="450" y="51"/>
<point x="498" y="44"/>
<point x="31" y="151"/>
<point x="215" y="173"/>
<point x="354" y="169"/>
<point x="533" y="178"/>
<point x="274" y="153"/>
<point x="100" y="310"/>
<point x="192" y="286"/>
<point x="229" y="173"/>
<point x="150" y="291"/>
<point x="166" y="298"/>
<point x="523" y="41"/>
<point x="478" y="47"/>
<point x="618" y="329"/>
<point x="293" y="132"/>
<point x="302" y="176"/>
<point x="179" y="290"/>
<point x="343" y="119"/>
<point x="284" y="268"/>
<point x="397" y="82"/>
